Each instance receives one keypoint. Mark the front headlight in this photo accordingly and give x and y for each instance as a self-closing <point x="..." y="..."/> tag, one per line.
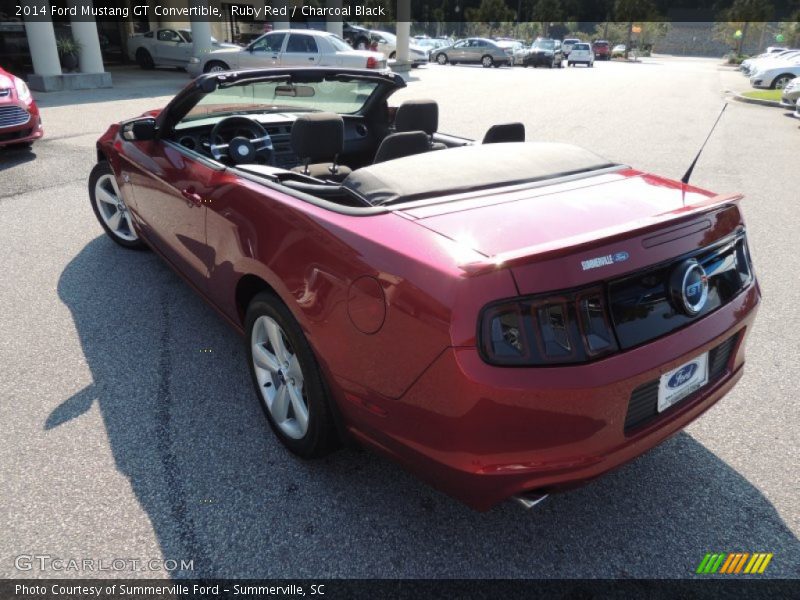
<point x="23" y="93"/>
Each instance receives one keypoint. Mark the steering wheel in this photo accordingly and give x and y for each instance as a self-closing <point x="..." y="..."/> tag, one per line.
<point x="249" y="140"/>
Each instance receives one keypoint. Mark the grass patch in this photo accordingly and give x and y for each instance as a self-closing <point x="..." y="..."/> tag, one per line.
<point x="764" y="95"/>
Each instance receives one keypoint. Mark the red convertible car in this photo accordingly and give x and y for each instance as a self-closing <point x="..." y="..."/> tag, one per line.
<point x="506" y="319"/>
<point x="20" y="123"/>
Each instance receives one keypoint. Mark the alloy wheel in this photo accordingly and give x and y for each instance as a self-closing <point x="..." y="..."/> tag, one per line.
<point x="280" y="377"/>
<point x="112" y="208"/>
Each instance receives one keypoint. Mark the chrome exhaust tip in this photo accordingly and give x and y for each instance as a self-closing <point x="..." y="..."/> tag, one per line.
<point x="530" y="500"/>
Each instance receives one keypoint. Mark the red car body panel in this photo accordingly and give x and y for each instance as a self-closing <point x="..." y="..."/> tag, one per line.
<point x="390" y="304"/>
<point x="20" y="121"/>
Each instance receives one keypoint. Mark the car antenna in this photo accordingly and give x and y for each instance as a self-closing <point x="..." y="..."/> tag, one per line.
<point x="688" y="174"/>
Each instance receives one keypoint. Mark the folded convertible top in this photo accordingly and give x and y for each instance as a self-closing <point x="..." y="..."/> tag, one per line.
<point x="469" y="168"/>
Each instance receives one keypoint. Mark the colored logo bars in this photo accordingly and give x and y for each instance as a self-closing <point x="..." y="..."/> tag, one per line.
<point x="734" y="563"/>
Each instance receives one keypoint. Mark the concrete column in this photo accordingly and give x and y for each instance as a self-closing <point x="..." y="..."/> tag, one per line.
<point x="281" y="4"/>
<point x="42" y="42"/>
<point x="334" y="24"/>
<point x="90" y="60"/>
<point x="201" y="31"/>
<point x="403" y="35"/>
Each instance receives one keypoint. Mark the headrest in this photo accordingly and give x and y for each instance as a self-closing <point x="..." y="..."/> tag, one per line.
<point x="402" y="144"/>
<point x="318" y="136"/>
<point x="416" y="115"/>
<point x="505" y="132"/>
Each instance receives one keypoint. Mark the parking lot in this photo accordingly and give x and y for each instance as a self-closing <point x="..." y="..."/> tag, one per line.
<point x="130" y="428"/>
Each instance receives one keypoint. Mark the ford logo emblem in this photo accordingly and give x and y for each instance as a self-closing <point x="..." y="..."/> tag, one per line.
<point x="688" y="287"/>
<point x="621" y="256"/>
<point x="682" y="375"/>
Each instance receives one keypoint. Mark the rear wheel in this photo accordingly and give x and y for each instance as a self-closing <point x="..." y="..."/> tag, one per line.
<point x="144" y="60"/>
<point x="441" y="58"/>
<point x="393" y="55"/>
<point x="287" y="378"/>
<point x="215" y="66"/>
<point x="109" y="207"/>
<point x="487" y="61"/>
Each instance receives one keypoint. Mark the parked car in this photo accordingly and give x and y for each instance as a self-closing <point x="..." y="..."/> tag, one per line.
<point x="431" y="44"/>
<point x="165" y="48"/>
<point x="356" y="36"/>
<point x="473" y="50"/>
<point x="504" y="319"/>
<point x="601" y="49"/>
<point x="568" y="44"/>
<point x="775" y="75"/>
<point x="295" y="47"/>
<point x="618" y="50"/>
<point x="751" y="65"/>
<point x="20" y="122"/>
<point x="797" y="110"/>
<point x="386" y="42"/>
<point x="544" y="53"/>
<point x="512" y="48"/>
<point x="581" y="54"/>
<point x="791" y="93"/>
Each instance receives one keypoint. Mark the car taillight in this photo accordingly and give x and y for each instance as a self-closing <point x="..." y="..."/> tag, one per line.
<point x="372" y="62"/>
<point x="572" y="327"/>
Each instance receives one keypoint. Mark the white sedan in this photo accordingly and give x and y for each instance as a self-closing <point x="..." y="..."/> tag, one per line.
<point x="386" y="42"/>
<point x="581" y="53"/>
<point x="751" y="65"/>
<point x="165" y="48"/>
<point x="288" y="48"/>
<point x="775" y="75"/>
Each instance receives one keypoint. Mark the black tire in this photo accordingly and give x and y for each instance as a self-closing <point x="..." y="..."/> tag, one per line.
<point x="393" y="55"/>
<point x="215" y="65"/>
<point x="441" y="58"/>
<point x="785" y="78"/>
<point x="487" y="61"/>
<point x="321" y="437"/>
<point x="144" y="60"/>
<point x="100" y="169"/>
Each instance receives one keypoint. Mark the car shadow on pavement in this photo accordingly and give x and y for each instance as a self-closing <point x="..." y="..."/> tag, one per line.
<point x="12" y="157"/>
<point x="184" y="426"/>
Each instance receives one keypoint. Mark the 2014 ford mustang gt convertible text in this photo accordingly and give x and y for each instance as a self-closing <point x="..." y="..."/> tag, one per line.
<point x="505" y="319"/>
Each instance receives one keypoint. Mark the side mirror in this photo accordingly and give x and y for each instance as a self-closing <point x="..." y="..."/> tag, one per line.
<point x="141" y="130"/>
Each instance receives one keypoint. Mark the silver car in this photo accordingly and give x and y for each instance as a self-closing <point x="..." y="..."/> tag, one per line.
<point x="473" y="50"/>
<point x="288" y="48"/>
<point x="791" y="93"/>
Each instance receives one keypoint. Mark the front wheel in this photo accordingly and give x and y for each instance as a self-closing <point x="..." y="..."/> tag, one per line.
<point x="781" y="80"/>
<point x="216" y="66"/>
<point x="144" y="60"/>
<point x="287" y="378"/>
<point x="109" y="207"/>
<point x="487" y="61"/>
<point x="441" y="59"/>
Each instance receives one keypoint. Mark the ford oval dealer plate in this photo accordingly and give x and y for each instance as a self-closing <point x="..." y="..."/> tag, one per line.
<point x="679" y="383"/>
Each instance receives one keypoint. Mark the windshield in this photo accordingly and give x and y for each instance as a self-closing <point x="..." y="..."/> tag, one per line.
<point x="343" y="97"/>
<point x="544" y="45"/>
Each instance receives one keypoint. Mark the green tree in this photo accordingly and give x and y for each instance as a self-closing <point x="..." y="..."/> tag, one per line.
<point x="631" y="11"/>
<point x="545" y="12"/>
<point x="741" y="15"/>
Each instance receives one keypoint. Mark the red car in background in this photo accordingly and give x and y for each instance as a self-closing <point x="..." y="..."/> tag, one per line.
<point x="505" y="319"/>
<point x="20" y="123"/>
<point x="602" y="50"/>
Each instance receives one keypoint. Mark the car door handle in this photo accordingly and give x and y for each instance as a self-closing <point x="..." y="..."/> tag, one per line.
<point x="192" y="197"/>
<point x="310" y="58"/>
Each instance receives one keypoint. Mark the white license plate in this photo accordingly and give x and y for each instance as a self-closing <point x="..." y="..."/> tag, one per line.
<point x="679" y="383"/>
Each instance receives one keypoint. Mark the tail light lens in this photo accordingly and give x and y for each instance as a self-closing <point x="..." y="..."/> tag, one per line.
<point x="372" y="62"/>
<point x="566" y="328"/>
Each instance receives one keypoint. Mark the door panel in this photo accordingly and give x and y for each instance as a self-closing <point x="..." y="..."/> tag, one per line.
<point x="264" y="52"/>
<point x="301" y="50"/>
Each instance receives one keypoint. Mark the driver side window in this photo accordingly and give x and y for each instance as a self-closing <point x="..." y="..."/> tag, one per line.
<point x="167" y="35"/>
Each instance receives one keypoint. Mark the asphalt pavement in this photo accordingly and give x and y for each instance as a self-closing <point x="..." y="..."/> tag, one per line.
<point x="122" y="438"/>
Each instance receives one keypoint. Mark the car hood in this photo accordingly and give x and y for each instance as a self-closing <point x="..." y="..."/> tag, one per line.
<point x="558" y="214"/>
<point x="226" y="50"/>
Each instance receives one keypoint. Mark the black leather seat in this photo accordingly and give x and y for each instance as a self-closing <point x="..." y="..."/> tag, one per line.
<point x="317" y="140"/>
<point x="405" y="143"/>
<point x="505" y="132"/>
<point x="419" y="115"/>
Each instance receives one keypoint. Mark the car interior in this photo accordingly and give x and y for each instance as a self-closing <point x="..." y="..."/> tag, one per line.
<point x="316" y="152"/>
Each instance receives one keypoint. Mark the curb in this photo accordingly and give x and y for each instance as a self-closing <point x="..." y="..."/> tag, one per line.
<point x="773" y="103"/>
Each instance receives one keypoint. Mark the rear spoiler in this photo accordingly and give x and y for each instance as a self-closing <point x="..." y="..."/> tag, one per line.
<point x="579" y="243"/>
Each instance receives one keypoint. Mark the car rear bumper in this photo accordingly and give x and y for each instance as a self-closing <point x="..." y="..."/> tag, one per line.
<point x="484" y="434"/>
<point x="24" y="132"/>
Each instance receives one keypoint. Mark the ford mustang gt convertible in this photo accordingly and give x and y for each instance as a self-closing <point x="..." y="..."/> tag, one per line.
<point x="504" y="318"/>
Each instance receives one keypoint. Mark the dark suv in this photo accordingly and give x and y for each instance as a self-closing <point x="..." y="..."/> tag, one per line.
<point x="544" y="53"/>
<point x="357" y="37"/>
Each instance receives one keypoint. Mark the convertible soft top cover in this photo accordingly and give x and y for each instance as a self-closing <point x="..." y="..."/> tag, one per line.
<point x="469" y="168"/>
